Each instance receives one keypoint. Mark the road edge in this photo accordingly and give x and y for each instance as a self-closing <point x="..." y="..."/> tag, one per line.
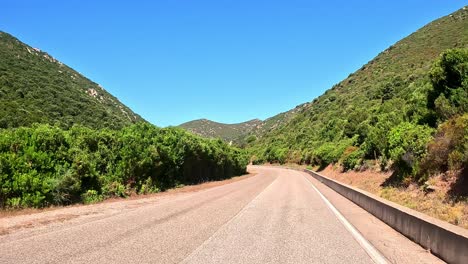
<point x="236" y="216"/>
<point x="373" y="253"/>
<point x="444" y="240"/>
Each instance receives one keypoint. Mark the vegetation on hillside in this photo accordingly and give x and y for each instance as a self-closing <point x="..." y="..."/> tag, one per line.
<point x="234" y="133"/>
<point x="243" y="133"/>
<point x="46" y="165"/>
<point x="405" y="108"/>
<point x="36" y="88"/>
<point x="64" y="139"/>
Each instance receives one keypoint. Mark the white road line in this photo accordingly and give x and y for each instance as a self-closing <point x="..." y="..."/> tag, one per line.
<point x="373" y="253"/>
<point x="238" y="215"/>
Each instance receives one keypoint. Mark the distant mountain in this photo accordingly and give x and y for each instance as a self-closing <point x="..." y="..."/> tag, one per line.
<point x="274" y="122"/>
<point x="37" y="88"/>
<point x="229" y="132"/>
<point x="241" y="133"/>
<point x="382" y="111"/>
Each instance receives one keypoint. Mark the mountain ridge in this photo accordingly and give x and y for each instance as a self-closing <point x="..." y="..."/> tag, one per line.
<point x="37" y="88"/>
<point x="282" y="119"/>
<point x="228" y="132"/>
<point x="390" y="110"/>
<point x="239" y="133"/>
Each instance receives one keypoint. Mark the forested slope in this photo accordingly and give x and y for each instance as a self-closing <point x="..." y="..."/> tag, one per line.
<point x="64" y="139"/>
<point x="394" y="109"/>
<point x="36" y="88"/>
<point x="243" y="133"/>
<point x="229" y="132"/>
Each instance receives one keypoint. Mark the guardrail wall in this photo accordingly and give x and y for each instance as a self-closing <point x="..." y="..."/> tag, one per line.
<point x="448" y="242"/>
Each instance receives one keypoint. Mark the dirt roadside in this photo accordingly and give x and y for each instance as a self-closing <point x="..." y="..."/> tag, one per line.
<point x="15" y="220"/>
<point x="436" y="203"/>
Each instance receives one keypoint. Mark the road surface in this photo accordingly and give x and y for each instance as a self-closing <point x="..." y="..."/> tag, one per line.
<point x="276" y="216"/>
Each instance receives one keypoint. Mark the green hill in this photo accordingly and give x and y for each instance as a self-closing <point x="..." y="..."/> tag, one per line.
<point x="36" y="88"/>
<point x="64" y="139"/>
<point x="240" y="133"/>
<point x="386" y="110"/>
<point x="229" y="132"/>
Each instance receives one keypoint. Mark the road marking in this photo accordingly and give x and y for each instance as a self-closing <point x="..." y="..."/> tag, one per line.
<point x="238" y="215"/>
<point x="373" y="253"/>
<point x="148" y="201"/>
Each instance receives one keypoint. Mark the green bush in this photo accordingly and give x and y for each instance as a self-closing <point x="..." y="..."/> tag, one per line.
<point x="407" y="145"/>
<point x="250" y="139"/>
<point x="148" y="187"/>
<point x="351" y="158"/>
<point x="448" y="149"/>
<point x="91" y="196"/>
<point x="44" y="165"/>
<point x="331" y="152"/>
<point x="449" y="77"/>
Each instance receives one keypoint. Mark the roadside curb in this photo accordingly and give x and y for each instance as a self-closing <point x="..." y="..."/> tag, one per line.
<point x="373" y="253"/>
<point x="444" y="240"/>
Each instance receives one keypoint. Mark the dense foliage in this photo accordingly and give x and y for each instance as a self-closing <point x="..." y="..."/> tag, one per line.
<point x="44" y="165"/>
<point x="36" y="88"/>
<point x="240" y="134"/>
<point x="388" y="110"/>
<point x="234" y="133"/>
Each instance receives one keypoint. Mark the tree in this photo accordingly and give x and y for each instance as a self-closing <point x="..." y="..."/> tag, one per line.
<point x="449" y="77"/>
<point x="407" y="145"/>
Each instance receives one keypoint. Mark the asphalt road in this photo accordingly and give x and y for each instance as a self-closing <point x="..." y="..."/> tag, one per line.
<point x="274" y="217"/>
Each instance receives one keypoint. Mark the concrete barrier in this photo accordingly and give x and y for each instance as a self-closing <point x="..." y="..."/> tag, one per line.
<point x="444" y="240"/>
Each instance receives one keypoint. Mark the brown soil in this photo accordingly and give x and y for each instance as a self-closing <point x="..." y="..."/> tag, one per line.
<point x="184" y="189"/>
<point x="438" y="203"/>
<point x="12" y="220"/>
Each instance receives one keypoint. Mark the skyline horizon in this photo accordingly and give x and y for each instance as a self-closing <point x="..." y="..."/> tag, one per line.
<point x="211" y="103"/>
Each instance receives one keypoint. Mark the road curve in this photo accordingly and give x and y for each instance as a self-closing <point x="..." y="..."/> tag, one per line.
<point x="273" y="217"/>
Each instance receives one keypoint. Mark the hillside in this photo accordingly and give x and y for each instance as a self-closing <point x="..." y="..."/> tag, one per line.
<point x="274" y="122"/>
<point x="228" y="132"/>
<point x="36" y="88"/>
<point x="65" y="140"/>
<point x="389" y="110"/>
<point x="240" y="133"/>
<point x="44" y="165"/>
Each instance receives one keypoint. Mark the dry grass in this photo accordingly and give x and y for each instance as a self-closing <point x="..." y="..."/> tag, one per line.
<point x="434" y="204"/>
<point x="437" y="203"/>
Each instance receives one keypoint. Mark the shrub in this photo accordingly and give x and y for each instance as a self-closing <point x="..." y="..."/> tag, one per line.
<point x="91" y="196"/>
<point x="407" y="145"/>
<point x="449" y="77"/>
<point x="449" y="148"/>
<point x="148" y="187"/>
<point x="455" y="160"/>
<point x="330" y="152"/>
<point x="44" y="165"/>
<point x="351" y="158"/>
<point x="250" y="139"/>
<point x="275" y="154"/>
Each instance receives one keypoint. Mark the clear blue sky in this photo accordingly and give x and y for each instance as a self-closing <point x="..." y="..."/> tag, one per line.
<point x="173" y="61"/>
